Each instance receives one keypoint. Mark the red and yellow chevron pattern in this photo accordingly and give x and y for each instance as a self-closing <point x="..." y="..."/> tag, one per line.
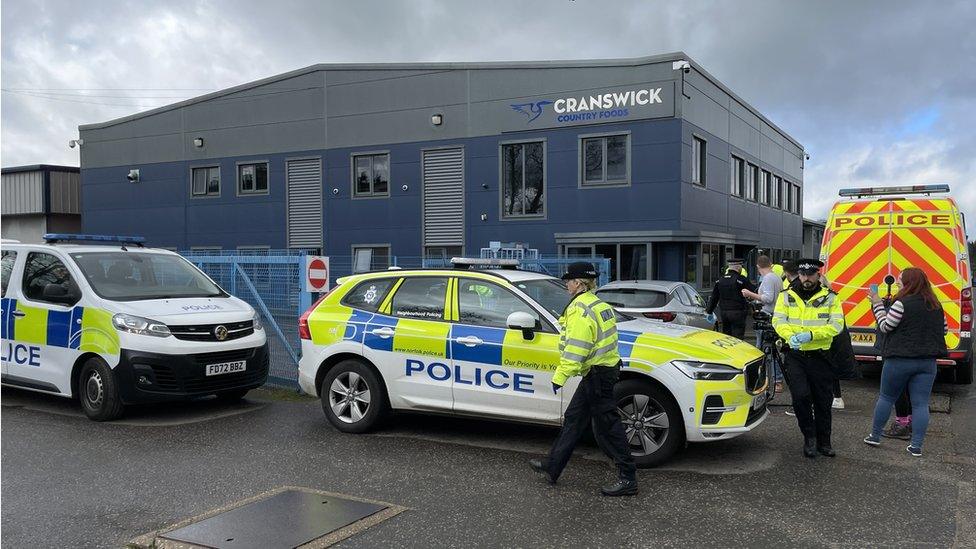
<point x="868" y="239"/>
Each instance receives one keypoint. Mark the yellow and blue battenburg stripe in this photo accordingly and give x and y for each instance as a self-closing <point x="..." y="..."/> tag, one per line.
<point x="82" y="328"/>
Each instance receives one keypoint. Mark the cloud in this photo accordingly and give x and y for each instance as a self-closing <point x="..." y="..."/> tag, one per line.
<point x="878" y="92"/>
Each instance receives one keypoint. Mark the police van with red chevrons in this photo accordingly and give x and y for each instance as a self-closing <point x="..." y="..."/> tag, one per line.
<point x="485" y="343"/>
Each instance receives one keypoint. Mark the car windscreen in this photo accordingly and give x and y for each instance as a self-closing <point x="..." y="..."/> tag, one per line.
<point x="633" y="298"/>
<point x="133" y="276"/>
<point x="548" y="292"/>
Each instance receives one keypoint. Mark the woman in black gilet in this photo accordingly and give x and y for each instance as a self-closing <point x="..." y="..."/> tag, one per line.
<point x="914" y="328"/>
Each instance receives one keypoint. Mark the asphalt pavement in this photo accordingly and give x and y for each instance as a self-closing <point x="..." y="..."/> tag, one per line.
<point x="70" y="482"/>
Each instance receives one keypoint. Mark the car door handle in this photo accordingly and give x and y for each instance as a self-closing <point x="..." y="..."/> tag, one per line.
<point x="19" y="314"/>
<point x="470" y="341"/>
<point x="383" y="332"/>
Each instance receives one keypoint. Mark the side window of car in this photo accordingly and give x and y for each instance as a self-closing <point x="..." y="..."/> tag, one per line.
<point x="9" y="257"/>
<point x="684" y="296"/>
<point x="47" y="279"/>
<point x="482" y="303"/>
<point x="421" y="298"/>
<point x="369" y="294"/>
<point x="694" y="297"/>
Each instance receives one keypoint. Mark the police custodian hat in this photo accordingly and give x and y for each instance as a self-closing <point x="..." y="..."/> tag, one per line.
<point x="580" y="269"/>
<point x="808" y="266"/>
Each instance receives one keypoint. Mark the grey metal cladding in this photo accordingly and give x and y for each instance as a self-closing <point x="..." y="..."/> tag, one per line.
<point x="443" y="188"/>
<point x="425" y="90"/>
<point x="22" y="193"/>
<point x="505" y="83"/>
<point x="261" y="139"/>
<point x="370" y="130"/>
<point x="304" y="212"/>
<point x="705" y="112"/>
<point x="65" y="192"/>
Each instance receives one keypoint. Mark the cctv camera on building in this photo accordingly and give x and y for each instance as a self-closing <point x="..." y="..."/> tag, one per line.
<point x="133" y="176"/>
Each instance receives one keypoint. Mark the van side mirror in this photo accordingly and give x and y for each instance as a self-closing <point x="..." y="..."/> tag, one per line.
<point x="521" y="320"/>
<point x="57" y="293"/>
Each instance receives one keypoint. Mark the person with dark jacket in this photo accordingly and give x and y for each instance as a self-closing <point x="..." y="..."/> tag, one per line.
<point x="727" y="296"/>
<point x="914" y="328"/>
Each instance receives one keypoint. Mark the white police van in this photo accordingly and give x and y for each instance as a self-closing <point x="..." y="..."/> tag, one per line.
<point x="118" y="323"/>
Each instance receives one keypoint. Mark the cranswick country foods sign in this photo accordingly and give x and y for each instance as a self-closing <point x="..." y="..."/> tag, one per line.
<point x="602" y="105"/>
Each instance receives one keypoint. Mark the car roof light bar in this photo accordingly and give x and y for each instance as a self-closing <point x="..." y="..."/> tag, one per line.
<point x="905" y="189"/>
<point x="64" y="237"/>
<point x="481" y="262"/>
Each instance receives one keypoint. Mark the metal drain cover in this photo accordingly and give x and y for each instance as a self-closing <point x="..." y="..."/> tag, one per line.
<point x="287" y="519"/>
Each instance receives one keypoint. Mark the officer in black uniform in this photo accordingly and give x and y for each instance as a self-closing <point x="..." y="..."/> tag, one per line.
<point x="727" y="295"/>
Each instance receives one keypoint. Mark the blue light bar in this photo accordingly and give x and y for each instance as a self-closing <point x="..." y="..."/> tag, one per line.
<point x="61" y="237"/>
<point x="906" y="189"/>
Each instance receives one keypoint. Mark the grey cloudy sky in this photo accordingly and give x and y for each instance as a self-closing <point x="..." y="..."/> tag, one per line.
<point x="879" y="93"/>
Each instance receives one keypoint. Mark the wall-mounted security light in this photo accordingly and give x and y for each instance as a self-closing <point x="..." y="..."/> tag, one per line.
<point x="133" y="176"/>
<point x="484" y="186"/>
<point x="437" y="119"/>
<point x="335" y="190"/>
<point x="75" y="142"/>
<point x="484" y="217"/>
<point x="198" y="142"/>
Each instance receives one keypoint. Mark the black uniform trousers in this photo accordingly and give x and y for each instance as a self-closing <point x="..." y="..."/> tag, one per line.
<point x="811" y="381"/>
<point x="593" y="402"/>
<point x="734" y="323"/>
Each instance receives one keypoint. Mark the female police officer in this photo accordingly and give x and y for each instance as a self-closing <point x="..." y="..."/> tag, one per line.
<point x="588" y="348"/>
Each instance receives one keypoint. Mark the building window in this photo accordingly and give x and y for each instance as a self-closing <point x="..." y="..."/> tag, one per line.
<point x="523" y="179"/>
<point x="206" y="181"/>
<point x="752" y="183"/>
<point x="798" y="204"/>
<point x="443" y="253"/>
<point x="774" y="195"/>
<point x="371" y="175"/>
<point x="711" y="264"/>
<point x="252" y="178"/>
<point x="784" y="194"/>
<point x="764" y="187"/>
<point x="698" y="156"/>
<point x="787" y="196"/>
<point x="370" y="258"/>
<point x="737" y="175"/>
<point x="691" y="263"/>
<point x="605" y="160"/>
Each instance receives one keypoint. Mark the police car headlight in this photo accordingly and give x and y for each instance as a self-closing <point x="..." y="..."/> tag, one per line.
<point x="706" y="370"/>
<point x="138" y="325"/>
<point x="257" y="322"/>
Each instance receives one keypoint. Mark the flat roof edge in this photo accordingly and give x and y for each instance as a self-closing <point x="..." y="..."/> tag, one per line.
<point x="41" y="167"/>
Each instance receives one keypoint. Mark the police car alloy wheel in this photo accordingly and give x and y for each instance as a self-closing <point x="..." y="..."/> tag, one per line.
<point x="98" y="392"/>
<point x="353" y="398"/>
<point x="652" y="421"/>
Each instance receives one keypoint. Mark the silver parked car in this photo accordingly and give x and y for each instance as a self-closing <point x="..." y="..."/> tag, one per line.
<point x="657" y="299"/>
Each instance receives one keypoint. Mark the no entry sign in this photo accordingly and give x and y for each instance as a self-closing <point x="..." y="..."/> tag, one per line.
<point x="316" y="273"/>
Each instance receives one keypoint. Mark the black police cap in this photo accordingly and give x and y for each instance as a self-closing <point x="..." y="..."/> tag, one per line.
<point x="580" y="269"/>
<point x="808" y="266"/>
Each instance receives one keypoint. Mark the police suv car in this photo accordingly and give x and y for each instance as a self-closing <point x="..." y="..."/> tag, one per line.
<point x="485" y="343"/>
<point x="121" y="324"/>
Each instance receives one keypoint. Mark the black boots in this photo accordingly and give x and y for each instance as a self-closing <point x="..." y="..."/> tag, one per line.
<point x="825" y="449"/>
<point x="620" y="488"/>
<point x="810" y="447"/>
<point x="540" y="467"/>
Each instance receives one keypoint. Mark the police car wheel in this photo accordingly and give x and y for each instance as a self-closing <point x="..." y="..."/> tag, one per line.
<point x="353" y="397"/>
<point x="98" y="391"/>
<point x="652" y="421"/>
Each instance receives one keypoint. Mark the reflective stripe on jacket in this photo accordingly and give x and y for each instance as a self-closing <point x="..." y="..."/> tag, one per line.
<point x="822" y="316"/>
<point x="589" y="337"/>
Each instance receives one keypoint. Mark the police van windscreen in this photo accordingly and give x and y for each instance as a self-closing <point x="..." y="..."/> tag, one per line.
<point x="133" y="276"/>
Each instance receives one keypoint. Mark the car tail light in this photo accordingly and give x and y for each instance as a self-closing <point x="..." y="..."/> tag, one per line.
<point x="957" y="355"/>
<point x="303" y="332"/>
<point x="966" y="310"/>
<point x="666" y="317"/>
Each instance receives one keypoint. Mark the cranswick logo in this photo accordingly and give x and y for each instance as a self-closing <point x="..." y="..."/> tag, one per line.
<point x="604" y="105"/>
<point x="532" y="110"/>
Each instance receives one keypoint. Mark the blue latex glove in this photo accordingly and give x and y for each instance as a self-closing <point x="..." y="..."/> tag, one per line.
<point x="799" y="339"/>
<point x="556" y="388"/>
<point x="710" y="318"/>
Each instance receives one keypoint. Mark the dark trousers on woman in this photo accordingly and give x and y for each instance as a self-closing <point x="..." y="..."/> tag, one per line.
<point x="594" y="403"/>
<point x="811" y="383"/>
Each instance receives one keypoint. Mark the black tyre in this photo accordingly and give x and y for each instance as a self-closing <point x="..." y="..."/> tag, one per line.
<point x="353" y="397"/>
<point x="234" y="395"/>
<point x="652" y="421"/>
<point x="98" y="391"/>
<point x="964" y="372"/>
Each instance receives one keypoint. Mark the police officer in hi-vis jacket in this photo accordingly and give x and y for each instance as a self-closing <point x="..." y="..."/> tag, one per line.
<point x="588" y="348"/>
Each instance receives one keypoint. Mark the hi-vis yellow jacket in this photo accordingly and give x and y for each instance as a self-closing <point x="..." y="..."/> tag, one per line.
<point x="822" y="316"/>
<point x="588" y="339"/>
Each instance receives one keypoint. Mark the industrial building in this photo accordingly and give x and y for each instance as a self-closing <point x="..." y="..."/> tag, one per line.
<point x="39" y="199"/>
<point x="651" y="162"/>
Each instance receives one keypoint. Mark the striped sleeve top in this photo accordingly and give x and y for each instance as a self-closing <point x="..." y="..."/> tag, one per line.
<point x="888" y="319"/>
